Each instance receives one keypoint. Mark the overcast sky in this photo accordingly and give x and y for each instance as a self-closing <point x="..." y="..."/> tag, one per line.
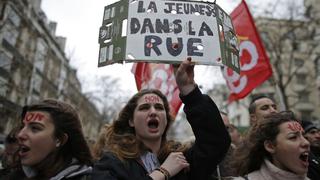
<point x="79" y="21"/>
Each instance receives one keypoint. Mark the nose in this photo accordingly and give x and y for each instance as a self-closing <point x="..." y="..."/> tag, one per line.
<point x="152" y="111"/>
<point x="21" y="134"/>
<point x="305" y="142"/>
<point x="317" y="135"/>
<point x="272" y="109"/>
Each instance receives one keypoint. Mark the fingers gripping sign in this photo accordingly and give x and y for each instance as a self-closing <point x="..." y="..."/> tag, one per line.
<point x="185" y="76"/>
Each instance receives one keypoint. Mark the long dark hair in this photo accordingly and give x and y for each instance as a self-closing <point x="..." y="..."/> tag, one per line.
<point x="66" y="121"/>
<point x="251" y="153"/>
<point x="119" y="137"/>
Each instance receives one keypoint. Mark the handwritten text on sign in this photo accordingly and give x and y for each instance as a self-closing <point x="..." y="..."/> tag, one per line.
<point x="168" y="29"/>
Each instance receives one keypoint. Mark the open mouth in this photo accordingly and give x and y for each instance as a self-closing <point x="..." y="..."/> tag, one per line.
<point x="153" y="124"/>
<point x="304" y="157"/>
<point x="23" y="149"/>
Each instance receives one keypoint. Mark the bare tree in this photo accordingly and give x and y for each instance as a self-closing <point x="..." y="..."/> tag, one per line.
<point x="108" y="97"/>
<point x="289" y="44"/>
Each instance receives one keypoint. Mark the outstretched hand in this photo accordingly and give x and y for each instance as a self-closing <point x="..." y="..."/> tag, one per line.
<point x="184" y="74"/>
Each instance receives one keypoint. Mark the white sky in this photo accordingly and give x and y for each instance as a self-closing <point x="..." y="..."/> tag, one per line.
<point x="79" y="21"/>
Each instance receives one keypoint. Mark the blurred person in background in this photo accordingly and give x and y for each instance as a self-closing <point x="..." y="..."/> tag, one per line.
<point x="233" y="131"/>
<point x="224" y="169"/>
<point x="10" y="159"/>
<point x="136" y="146"/>
<point x="275" y="150"/>
<point x="260" y="106"/>
<point x="312" y="134"/>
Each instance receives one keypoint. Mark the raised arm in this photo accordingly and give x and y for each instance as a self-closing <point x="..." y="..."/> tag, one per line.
<point x="211" y="137"/>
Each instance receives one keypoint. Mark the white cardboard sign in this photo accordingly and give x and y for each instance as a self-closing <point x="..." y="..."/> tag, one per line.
<point x="163" y="31"/>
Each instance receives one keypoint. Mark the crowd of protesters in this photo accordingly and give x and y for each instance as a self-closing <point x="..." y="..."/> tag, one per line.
<point x="49" y="142"/>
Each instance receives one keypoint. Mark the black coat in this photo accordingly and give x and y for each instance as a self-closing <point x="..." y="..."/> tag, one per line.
<point x="211" y="144"/>
<point x="314" y="166"/>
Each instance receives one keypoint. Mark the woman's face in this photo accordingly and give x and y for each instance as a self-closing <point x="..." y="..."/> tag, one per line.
<point x="291" y="149"/>
<point x="149" y="118"/>
<point x="36" y="138"/>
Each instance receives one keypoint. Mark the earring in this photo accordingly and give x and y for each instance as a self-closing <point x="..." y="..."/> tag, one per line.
<point x="58" y="143"/>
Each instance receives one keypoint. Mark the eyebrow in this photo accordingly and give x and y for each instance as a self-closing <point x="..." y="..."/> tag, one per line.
<point x="35" y="123"/>
<point x="295" y="133"/>
<point x="157" y="103"/>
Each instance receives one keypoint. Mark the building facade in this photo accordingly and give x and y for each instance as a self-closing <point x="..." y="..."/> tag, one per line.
<point x="33" y="65"/>
<point x="313" y="15"/>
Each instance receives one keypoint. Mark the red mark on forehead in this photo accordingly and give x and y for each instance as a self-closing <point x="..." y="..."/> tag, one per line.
<point x="152" y="99"/>
<point x="295" y="126"/>
<point x="33" y="116"/>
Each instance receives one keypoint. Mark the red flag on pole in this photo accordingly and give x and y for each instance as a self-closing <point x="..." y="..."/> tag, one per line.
<point x="158" y="76"/>
<point x="255" y="66"/>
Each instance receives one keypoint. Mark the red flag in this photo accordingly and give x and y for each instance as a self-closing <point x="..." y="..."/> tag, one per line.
<point x="158" y="76"/>
<point x="255" y="66"/>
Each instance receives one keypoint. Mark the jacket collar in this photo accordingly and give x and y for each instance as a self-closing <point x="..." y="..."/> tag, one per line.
<point x="74" y="169"/>
<point x="270" y="171"/>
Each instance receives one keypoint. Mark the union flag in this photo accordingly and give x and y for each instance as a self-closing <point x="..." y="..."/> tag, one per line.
<point x="254" y="62"/>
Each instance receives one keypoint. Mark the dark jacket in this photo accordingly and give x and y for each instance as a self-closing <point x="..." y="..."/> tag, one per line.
<point x="211" y="144"/>
<point x="314" y="166"/>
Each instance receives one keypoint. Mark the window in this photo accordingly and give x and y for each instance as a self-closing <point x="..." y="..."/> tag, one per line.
<point x="304" y="96"/>
<point x="40" y="55"/>
<point x="298" y="62"/>
<point x="301" y="79"/>
<point x="3" y="86"/>
<point x="63" y="75"/>
<point x="5" y="61"/>
<point x="37" y="80"/>
<point x="13" y="17"/>
<point x="10" y="34"/>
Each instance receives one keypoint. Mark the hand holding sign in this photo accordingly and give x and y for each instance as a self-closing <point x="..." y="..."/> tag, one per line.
<point x="185" y="76"/>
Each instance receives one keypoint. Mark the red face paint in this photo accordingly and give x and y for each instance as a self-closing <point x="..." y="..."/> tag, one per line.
<point x="295" y="126"/>
<point x="33" y="116"/>
<point x="152" y="99"/>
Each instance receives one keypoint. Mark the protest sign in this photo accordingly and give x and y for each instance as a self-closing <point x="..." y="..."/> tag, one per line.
<point x="167" y="32"/>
